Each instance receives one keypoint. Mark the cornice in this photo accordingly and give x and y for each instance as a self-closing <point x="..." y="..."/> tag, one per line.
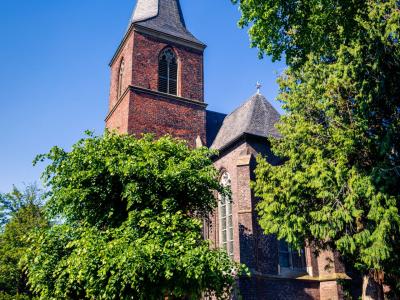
<point x="137" y="89"/>
<point x="167" y="96"/>
<point x="244" y="137"/>
<point x="160" y="35"/>
<point x="117" y="104"/>
<point x="306" y="277"/>
<point x="121" y="44"/>
<point x="169" y="38"/>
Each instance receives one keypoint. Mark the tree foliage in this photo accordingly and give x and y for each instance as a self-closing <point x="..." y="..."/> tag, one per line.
<point x="296" y="29"/>
<point x="340" y="183"/>
<point x="22" y="215"/>
<point x="130" y="229"/>
<point x="14" y="201"/>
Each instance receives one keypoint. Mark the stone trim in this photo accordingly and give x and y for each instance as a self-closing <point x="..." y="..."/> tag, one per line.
<point x="242" y="212"/>
<point x="243" y="161"/>
<point x="158" y="34"/>
<point x="154" y="93"/>
<point x="117" y="104"/>
<point x="242" y="137"/>
<point x="331" y="277"/>
<point x="167" y="96"/>
<point x="120" y="46"/>
<point x="169" y="38"/>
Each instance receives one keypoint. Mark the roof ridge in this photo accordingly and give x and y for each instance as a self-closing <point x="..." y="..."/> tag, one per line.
<point x="240" y="106"/>
<point x="252" y="102"/>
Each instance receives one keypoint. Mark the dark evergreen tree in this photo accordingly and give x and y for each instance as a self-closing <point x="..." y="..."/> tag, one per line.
<point x="340" y="184"/>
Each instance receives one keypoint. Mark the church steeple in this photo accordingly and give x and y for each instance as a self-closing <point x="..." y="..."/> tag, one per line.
<point x="157" y="80"/>
<point x="164" y="16"/>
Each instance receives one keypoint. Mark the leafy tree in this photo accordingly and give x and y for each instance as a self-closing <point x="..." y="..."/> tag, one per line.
<point x="130" y="229"/>
<point x="22" y="214"/>
<point x="297" y="28"/>
<point x="339" y="186"/>
<point x="12" y="202"/>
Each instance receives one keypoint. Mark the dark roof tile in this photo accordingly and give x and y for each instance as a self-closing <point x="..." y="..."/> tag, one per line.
<point x="164" y="16"/>
<point x="214" y="122"/>
<point x="255" y="117"/>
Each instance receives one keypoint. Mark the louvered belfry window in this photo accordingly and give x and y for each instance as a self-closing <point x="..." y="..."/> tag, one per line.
<point x="168" y="72"/>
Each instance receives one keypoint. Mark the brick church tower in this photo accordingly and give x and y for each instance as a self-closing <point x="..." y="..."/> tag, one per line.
<point x="157" y="83"/>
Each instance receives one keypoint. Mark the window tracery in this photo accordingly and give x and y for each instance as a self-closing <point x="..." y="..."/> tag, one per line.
<point x="168" y="72"/>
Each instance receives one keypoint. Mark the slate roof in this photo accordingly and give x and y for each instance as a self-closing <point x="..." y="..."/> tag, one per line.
<point x="255" y="117"/>
<point x="214" y="122"/>
<point x="163" y="16"/>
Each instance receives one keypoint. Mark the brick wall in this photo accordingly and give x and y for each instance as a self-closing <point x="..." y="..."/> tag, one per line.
<point x="126" y="53"/>
<point x="155" y="114"/>
<point x="259" y="288"/>
<point x="145" y="66"/>
<point x="118" y="119"/>
<point x="331" y="290"/>
<point x="147" y="110"/>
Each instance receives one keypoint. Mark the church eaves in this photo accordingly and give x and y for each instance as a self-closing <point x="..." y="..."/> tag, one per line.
<point x="255" y="117"/>
<point x="163" y="16"/>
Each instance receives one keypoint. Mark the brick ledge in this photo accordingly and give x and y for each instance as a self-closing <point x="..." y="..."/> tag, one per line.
<point x="324" y="278"/>
<point x="154" y="93"/>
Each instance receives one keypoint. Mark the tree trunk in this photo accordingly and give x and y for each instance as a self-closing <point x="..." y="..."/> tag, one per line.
<point x="372" y="288"/>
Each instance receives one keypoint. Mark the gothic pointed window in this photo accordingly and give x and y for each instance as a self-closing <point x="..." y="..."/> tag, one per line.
<point x="120" y="78"/>
<point x="225" y="206"/>
<point x="168" y="72"/>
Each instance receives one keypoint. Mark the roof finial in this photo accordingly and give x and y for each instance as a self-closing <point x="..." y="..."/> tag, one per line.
<point x="259" y="86"/>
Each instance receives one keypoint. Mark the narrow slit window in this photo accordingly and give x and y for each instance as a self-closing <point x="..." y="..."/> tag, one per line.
<point x="120" y="78"/>
<point x="168" y="72"/>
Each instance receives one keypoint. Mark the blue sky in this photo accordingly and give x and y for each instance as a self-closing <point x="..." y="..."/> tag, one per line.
<point x="54" y="75"/>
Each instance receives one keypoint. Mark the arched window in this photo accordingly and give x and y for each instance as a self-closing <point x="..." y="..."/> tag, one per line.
<point x="167" y="72"/>
<point x="120" y="78"/>
<point x="225" y="217"/>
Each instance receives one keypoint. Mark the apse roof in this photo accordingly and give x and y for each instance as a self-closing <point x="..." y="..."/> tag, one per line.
<point x="255" y="117"/>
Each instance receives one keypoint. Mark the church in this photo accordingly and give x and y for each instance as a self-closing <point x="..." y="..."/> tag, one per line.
<point x="157" y="86"/>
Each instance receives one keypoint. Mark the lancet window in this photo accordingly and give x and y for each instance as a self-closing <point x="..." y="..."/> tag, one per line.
<point x="168" y="72"/>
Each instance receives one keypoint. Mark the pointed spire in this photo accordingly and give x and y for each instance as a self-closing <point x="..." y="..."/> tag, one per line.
<point x="164" y="16"/>
<point x="144" y="10"/>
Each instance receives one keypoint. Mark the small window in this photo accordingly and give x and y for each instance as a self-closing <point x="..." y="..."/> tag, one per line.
<point x="290" y="259"/>
<point x="226" y="217"/>
<point x="167" y="72"/>
<point x="120" y="78"/>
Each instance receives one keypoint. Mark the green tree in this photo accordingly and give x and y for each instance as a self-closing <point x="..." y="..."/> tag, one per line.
<point x="339" y="186"/>
<point x="21" y="214"/>
<point x="130" y="228"/>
